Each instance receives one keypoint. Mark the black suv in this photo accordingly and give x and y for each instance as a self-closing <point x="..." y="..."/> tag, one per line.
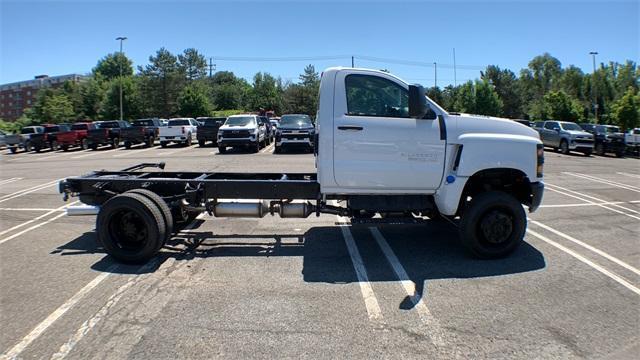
<point x="608" y="139"/>
<point x="270" y="132"/>
<point x="208" y="129"/>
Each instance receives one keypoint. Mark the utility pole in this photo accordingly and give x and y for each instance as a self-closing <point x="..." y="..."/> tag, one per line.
<point x="455" y="78"/>
<point x="352" y="62"/>
<point x="212" y="66"/>
<point x="593" y="87"/>
<point x="435" y="72"/>
<point x="121" y="39"/>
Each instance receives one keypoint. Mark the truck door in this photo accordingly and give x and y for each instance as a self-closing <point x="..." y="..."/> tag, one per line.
<point x="377" y="146"/>
<point x="551" y="135"/>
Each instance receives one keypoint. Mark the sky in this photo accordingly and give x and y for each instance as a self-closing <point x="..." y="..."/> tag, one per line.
<point x="56" y="37"/>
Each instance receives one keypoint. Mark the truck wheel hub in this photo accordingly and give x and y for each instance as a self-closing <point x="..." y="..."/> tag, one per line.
<point x="128" y="230"/>
<point x="496" y="226"/>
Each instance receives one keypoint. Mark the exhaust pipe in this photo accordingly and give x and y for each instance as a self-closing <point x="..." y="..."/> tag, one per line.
<point x="236" y="209"/>
<point x="82" y="210"/>
<point x="294" y="210"/>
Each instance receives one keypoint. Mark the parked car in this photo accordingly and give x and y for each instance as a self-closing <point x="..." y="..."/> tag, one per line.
<point x="295" y="130"/>
<point x="48" y="139"/>
<point x="22" y="140"/>
<point x="270" y="131"/>
<point x="106" y="133"/>
<point x="144" y="131"/>
<point x="632" y="140"/>
<point x="76" y="136"/>
<point x="179" y="130"/>
<point x="274" y="122"/>
<point x="3" y="140"/>
<point x="608" y="139"/>
<point x="242" y="131"/>
<point x="566" y="136"/>
<point x="208" y="129"/>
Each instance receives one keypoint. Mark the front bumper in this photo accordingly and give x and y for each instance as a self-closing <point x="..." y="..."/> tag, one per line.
<point x="302" y="142"/>
<point x="173" y="138"/>
<point x="537" y="190"/>
<point x="236" y="141"/>
<point x="580" y="145"/>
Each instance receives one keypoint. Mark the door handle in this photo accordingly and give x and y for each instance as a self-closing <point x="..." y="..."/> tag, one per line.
<point x="350" y="127"/>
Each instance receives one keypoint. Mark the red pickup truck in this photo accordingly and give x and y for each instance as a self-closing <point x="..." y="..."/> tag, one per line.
<point x="77" y="136"/>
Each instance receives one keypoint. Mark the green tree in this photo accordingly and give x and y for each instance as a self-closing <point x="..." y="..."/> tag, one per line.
<point x="194" y="101"/>
<point x="626" y="111"/>
<point x="131" y="101"/>
<point x="93" y="93"/>
<point x="560" y="106"/>
<point x="228" y="91"/>
<point x="193" y="64"/>
<point x="162" y="81"/>
<point x="465" y="98"/>
<point x="487" y="100"/>
<point x="109" y="66"/>
<point x="505" y="84"/>
<point x="265" y="93"/>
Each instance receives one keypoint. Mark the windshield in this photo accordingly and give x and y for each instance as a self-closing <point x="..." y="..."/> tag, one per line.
<point x="611" y="129"/>
<point x="28" y="131"/>
<point x="79" y="127"/>
<point x="570" y="126"/>
<point x="142" y="123"/>
<point x="295" y="120"/>
<point x="109" y="125"/>
<point x="179" y="122"/>
<point x="240" y="121"/>
<point x="211" y="121"/>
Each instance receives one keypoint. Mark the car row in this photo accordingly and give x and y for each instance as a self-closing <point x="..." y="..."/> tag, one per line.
<point x="585" y="138"/>
<point x="247" y="131"/>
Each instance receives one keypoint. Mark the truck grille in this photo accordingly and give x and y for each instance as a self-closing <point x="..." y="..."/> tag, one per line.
<point x="236" y="134"/>
<point x="584" y="141"/>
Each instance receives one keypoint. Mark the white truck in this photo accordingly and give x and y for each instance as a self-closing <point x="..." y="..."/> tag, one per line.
<point x="382" y="148"/>
<point x="242" y="131"/>
<point x="632" y="140"/>
<point x="179" y="130"/>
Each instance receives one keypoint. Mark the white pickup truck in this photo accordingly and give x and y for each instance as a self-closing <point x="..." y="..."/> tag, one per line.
<point x="632" y="140"/>
<point x="179" y="130"/>
<point x="383" y="148"/>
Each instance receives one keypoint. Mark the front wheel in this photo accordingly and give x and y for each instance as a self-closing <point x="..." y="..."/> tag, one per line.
<point x="164" y="144"/>
<point x="151" y="141"/>
<point x="564" y="147"/>
<point x="188" y="142"/>
<point x="222" y="149"/>
<point x="600" y="149"/>
<point x="587" y="153"/>
<point x="493" y="225"/>
<point x="13" y="150"/>
<point x="256" y="147"/>
<point x="201" y="143"/>
<point x="115" y="143"/>
<point x="84" y="144"/>
<point x="54" y="146"/>
<point x="127" y="145"/>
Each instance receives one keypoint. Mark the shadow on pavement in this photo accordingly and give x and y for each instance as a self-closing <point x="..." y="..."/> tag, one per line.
<point x="427" y="251"/>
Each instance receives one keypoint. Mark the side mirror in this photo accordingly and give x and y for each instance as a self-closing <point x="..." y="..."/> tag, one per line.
<point x="417" y="102"/>
<point x="430" y="115"/>
<point x="557" y="129"/>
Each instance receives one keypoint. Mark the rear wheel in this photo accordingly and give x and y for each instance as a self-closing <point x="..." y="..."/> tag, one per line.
<point x="587" y="152"/>
<point x="188" y="142"/>
<point x="162" y="206"/>
<point x="493" y="225"/>
<point x="27" y="147"/>
<point x="256" y="147"/>
<point x="65" y="147"/>
<point x="164" y="144"/>
<point x="277" y="149"/>
<point x="54" y="145"/>
<point x="94" y="146"/>
<point x="131" y="228"/>
<point x="115" y="143"/>
<point x="222" y="149"/>
<point x="201" y="143"/>
<point x="564" y="147"/>
<point x="13" y="150"/>
<point x="619" y="154"/>
<point x="127" y="145"/>
<point x="151" y="141"/>
<point x="84" y="144"/>
<point x="600" y="149"/>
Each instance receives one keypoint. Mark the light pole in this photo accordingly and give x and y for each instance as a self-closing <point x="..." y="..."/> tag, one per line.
<point x="435" y="74"/>
<point x="121" y="38"/>
<point x="593" y="86"/>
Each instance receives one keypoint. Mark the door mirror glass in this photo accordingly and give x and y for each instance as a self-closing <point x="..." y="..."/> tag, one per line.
<point x="430" y="115"/>
<point x="417" y="102"/>
<point x="556" y="129"/>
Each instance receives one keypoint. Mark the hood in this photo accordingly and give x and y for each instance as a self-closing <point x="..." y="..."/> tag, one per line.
<point x="578" y="133"/>
<point x="249" y="126"/>
<point x="460" y="124"/>
<point x="296" y="126"/>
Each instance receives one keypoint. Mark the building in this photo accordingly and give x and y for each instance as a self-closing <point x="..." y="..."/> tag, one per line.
<point x="16" y="97"/>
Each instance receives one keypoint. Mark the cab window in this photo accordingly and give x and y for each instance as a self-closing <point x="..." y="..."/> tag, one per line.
<point x="369" y="95"/>
<point x="550" y="125"/>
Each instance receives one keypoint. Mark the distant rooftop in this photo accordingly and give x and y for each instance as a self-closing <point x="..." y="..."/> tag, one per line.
<point x="42" y="81"/>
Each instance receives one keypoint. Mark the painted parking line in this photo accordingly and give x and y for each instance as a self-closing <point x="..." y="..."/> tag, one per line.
<point x="617" y="278"/>
<point x="267" y="148"/>
<point x="605" y="181"/>
<point x="434" y="330"/>
<point x="567" y="192"/>
<point x="175" y="151"/>
<point x="28" y="190"/>
<point x="598" y="200"/>
<point x="17" y="349"/>
<point x="33" y="227"/>
<point x="10" y="180"/>
<point x="589" y="204"/>
<point x="29" y="209"/>
<point x="135" y="151"/>
<point x="587" y="246"/>
<point x="370" y="300"/>
<point x="629" y="175"/>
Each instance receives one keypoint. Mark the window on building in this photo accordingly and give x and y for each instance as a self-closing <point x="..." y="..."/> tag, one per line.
<point x="29" y="102"/>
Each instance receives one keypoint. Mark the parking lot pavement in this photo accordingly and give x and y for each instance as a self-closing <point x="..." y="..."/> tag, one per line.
<point x="318" y="287"/>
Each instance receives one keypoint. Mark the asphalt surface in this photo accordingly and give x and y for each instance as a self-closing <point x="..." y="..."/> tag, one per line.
<point x="318" y="287"/>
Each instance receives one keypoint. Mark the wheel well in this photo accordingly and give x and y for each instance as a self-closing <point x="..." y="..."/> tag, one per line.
<point x="510" y="181"/>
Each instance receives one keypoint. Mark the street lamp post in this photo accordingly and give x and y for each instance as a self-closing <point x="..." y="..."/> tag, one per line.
<point x="121" y="39"/>
<point x="593" y="87"/>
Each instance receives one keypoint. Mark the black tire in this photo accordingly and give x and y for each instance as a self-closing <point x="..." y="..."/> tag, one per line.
<point x="65" y="147"/>
<point x="27" y="147"/>
<point x="54" y="145"/>
<point x="151" y="141"/>
<point x="13" y="150"/>
<point x="37" y="148"/>
<point x="163" y="144"/>
<point x="619" y="154"/>
<point x="127" y="145"/>
<point x="600" y="149"/>
<point x="493" y="225"/>
<point x="222" y="149"/>
<point x="256" y="148"/>
<point x="587" y="153"/>
<point x="130" y="228"/>
<point x="201" y="143"/>
<point x="94" y="147"/>
<point x="164" y="209"/>
<point x="564" y="147"/>
<point x="115" y="143"/>
<point x="84" y="144"/>
<point x="277" y="149"/>
<point x="188" y="142"/>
